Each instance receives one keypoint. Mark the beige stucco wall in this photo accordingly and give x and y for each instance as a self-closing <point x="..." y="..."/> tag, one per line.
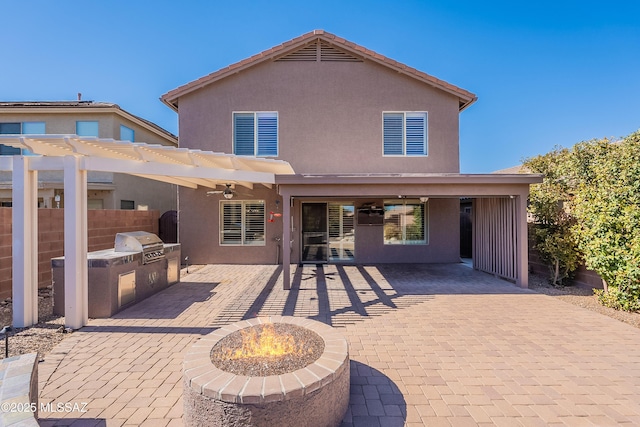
<point x="330" y="121"/>
<point x="63" y="121"/>
<point x="330" y="115"/>
<point x="199" y="223"/>
<point x="199" y="228"/>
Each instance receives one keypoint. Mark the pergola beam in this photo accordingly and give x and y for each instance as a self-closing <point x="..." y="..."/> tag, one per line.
<point x="76" y="155"/>
<point x="169" y="180"/>
<point x="174" y="170"/>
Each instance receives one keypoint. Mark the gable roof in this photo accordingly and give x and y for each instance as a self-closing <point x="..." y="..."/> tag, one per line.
<point x="346" y="50"/>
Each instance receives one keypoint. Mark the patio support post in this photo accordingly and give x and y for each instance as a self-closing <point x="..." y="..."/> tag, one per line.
<point x="25" y="243"/>
<point x="286" y="241"/>
<point x="76" y="301"/>
<point x="522" y="240"/>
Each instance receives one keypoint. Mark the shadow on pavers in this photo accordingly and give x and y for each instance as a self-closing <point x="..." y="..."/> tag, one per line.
<point x="169" y="303"/>
<point x="375" y="400"/>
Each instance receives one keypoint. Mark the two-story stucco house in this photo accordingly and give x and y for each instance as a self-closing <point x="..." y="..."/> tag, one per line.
<point x="375" y="147"/>
<point x="106" y="190"/>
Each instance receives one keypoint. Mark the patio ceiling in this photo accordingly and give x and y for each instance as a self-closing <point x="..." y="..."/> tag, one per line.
<point x="181" y="166"/>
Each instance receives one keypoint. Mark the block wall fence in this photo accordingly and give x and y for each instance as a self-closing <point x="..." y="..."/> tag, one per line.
<point x="583" y="277"/>
<point x="102" y="224"/>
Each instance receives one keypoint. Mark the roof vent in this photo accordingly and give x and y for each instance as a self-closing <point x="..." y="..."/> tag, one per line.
<point x="307" y="53"/>
<point x="331" y="53"/>
<point x="320" y="51"/>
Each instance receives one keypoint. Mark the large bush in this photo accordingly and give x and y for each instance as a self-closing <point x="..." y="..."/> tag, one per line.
<point x="553" y="231"/>
<point x="607" y="209"/>
<point x="588" y="207"/>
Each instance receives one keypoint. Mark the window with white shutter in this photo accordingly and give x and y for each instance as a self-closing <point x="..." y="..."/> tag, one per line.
<point x="404" y="134"/>
<point x="242" y="223"/>
<point x="255" y="134"/>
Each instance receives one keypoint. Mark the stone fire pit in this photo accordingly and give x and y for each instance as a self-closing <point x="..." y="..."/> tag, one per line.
<point x="315" y="395"/>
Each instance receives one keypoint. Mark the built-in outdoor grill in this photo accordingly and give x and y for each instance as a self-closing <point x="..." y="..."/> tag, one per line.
<point x="138" y="266"/>
<point x="149" y="244"/>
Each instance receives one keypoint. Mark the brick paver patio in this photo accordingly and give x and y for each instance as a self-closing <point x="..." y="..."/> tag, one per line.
<point x="430" y="345"/>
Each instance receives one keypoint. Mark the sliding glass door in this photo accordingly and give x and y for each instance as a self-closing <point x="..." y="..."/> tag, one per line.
<point x="328" y="232"/>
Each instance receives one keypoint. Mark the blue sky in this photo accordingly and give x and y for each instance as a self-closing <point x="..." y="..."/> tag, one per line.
<point x="546" y="73"/>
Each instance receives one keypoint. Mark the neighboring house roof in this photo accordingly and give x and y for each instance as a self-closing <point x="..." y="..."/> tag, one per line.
<point x="170" y="98"/>
<point x="87" y="107"/>
<point x="513" y="170"/>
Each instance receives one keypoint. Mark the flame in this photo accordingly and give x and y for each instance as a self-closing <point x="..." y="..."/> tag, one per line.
<point x="267" y="343"/>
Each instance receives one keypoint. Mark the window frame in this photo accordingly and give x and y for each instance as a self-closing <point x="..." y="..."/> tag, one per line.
<point x="256" y="147"/>
<point x="44" y="127"/>
<point x="21" y="126"/>
<point x="127" y="205"/>
<point x="97" y="122"/>
<point x="425" y="151"/>
<point x="244" y="241"/>
<point x="127" y="128"/>
<point x="425" y="223"/>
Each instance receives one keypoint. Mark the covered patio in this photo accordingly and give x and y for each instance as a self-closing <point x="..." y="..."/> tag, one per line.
<point x="499" y="209"/>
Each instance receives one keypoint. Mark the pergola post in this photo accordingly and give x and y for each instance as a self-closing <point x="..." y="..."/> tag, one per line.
<point x="76" y="301"/>
<point x="286" y="241"/>
<point x="25" y="243"/>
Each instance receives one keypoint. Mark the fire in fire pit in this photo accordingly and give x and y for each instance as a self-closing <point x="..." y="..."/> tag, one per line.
<point x="267" y="349"/>
<point x="232" y="378"/>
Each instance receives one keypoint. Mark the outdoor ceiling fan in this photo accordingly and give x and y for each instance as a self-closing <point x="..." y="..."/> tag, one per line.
<point x="227" y="192"/>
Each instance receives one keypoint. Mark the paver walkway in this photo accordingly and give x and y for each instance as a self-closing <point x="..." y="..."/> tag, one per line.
<point x="430" y="345"/>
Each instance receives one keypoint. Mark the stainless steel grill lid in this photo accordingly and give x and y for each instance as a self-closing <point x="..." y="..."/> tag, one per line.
<point x="149" y="244"/>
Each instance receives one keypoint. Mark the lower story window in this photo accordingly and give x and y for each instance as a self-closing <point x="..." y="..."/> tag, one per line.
<point x="405" y="222"/>
<point x="242" y="223"/>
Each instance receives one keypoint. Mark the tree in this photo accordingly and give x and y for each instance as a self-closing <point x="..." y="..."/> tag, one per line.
<point x="553" y="231"/>
<point x="606" y="205"/>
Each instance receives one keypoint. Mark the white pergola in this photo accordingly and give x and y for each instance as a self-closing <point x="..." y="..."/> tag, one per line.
<point x="75" y="156"/>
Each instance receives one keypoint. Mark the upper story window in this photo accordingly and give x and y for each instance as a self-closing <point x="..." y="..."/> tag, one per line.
<point x="404" y="134"/>
<point x="31" y="128"/>
<point x="255" y="133"/>
<point x="127" y="134"/>
<point x="87" y="128"/>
